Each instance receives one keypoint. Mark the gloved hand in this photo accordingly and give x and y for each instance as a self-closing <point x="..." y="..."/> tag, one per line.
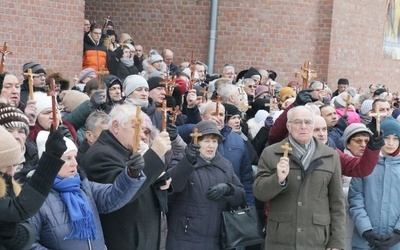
<point x="192" y="151"/>
<point x="135" y="165"/>
<point x="96" y="99"/>
<point x="172" y="130"/>
<point x="376" y="142"/>
<point x="8" y="229"/>
<point x="374" y="240"/>
<point x="55" y="144"/>
<point x="342" y="123"/>
<point x="269" y="121"/>
<point x="218" y="191"/>
<point x="392" y="239"/>
<point x="161" y="181"/>
<point x="303" y="97"/>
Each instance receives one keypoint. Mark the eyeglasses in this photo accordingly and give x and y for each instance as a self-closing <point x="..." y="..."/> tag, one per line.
<point x="40" y="75"/>
<point x="359" y="140"/>
<point x="299" y="122"/>
<point x="252" y="86"/>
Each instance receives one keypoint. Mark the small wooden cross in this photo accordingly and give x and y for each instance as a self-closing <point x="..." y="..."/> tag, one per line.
<point x="4" y="52"/>
<point x="307" y="74"/>
<point x="175" y="112"/>
<point x="348" y="103"/>
<point x="217" y="102"/>
<point x="100" y="74"/>
<point x="137" y="123"/>
<point x="272" y="104"/>
<point x="195" y="135"/>
<point x="286" y="148"/>
<point x="378" y="121"/>
<point x="169" y="83"/>
<point x="164" y="114"/>
<point x="192" y="71"/>
<point x="30" y="82"/>
<point x="106" y="20"/>
<point x="205" y="93"/>
<point x="52" y="94"/>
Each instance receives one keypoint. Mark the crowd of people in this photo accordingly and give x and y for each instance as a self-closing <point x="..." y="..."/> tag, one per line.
<point x="140" y="153"/>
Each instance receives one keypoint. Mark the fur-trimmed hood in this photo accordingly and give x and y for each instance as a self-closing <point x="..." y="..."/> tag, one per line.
<point x="3" y="187"/>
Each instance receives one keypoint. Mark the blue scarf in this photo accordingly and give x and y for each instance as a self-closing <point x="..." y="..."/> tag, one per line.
<point x="83" y="225"/>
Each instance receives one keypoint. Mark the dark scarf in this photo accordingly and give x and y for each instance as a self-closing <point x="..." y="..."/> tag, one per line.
<point x="303" y="152"/>
<point x="83" y="225"/>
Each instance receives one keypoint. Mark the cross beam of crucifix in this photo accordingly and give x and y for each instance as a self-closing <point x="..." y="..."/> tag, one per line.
<point x="4" y="52"/>
<point x="286" y="148"/>
<point x="30" y="76"/>
<point x="164" y="114"/>
<point x="348" y="103"/>
<point x="378" y="121"/>
<point x="100" y="74"/>
<point x="195" y="135"/>
<point x="306" y="74"/>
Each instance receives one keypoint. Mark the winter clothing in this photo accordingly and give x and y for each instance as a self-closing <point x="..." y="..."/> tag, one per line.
<point x="137" y="224"/>
<point x="308" y="211"/>
<point x="195" y="221"/>
<point x="52" y="224"/>
<point x="94" y="54"/>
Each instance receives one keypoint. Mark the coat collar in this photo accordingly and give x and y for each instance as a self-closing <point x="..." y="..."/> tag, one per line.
<point x="218" y="161"/>
<point x="107" y="138"/>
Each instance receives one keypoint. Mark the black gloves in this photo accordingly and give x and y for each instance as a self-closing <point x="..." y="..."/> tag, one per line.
<point x="218" y="191"/>
<point x="135" y="165"/>
<point x="392" y="239"/>
<point x="8" y="229"/>
<point x="96" y="99"/>
<point x="55" y="144"/>
<point x="162" y="181"/>
<point x="376" y="142"/>
<point x="172" y="130"/>
<point x="269" y="121"/>
<point x="192" y="151"/>
<point x="303" y="97"/>
<point x="342" y="123"/>
<point x="373" y="239"/>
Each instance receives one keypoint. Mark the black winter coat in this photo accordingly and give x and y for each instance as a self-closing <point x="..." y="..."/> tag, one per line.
<point x="136" y="225"/>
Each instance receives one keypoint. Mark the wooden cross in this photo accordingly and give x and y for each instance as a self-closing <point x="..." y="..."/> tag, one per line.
<point x="286" y="148"/>
<point x="217" y="102"/>
<point x="378" y="121"/>
<point x="100" y="74"/>
<point x="169" y="84"/>
<point x="272" y="104"/>
<point x="205" y="92"/>
<point x="30" y="82"/>
<point x="307" y="74"/>
<point x="175" y="112"/>
<point x="137" y="123"/>
<point x="4" y="52"/>
<point x="52" y="94"/>
<point x="164" y="114"/>
<point x="195" y="135"/>
<point x="106" y="20"/>
<point x="348" y="103"/>
<point x="192" y="71"/>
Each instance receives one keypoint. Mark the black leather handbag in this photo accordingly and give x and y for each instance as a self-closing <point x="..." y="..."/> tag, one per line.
<point x="240" y="228"/>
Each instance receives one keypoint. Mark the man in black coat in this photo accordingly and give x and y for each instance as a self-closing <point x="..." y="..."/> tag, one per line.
<point x="136" y="225"/>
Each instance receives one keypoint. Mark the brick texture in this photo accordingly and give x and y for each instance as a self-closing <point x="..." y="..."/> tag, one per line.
<point x="340" y="38"/>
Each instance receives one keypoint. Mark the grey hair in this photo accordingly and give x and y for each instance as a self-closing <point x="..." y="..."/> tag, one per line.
<point x="228" y="67"/>
<point x="122" y="113"/>
<point x="95" y="119"/>
<point x="290" y="112"/>
<point x="316" y="84"/>
<point x="247" y="81"/>
<point x="228" y="90"/>
<point x="203" y="108"/>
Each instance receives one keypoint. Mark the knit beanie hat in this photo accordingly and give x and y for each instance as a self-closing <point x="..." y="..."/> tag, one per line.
<point x="43" y="101"/>
<point x="156" y="73"/>
<point x="10" y="150"/>
<point x="71" y="99"/>
<point x="155" y="82"/>
<point x="286" y="93"/>
<point x="155" y="58"/>
<point x="129" y="46"/>
<point x="207" y="128"/>
<point x="111" y="32"/>
<point x="261" y="89"/>
<point x="133" y="82"/>
<point x="390" y="126"/>
<point x="231" y="110"/>
<point x="36" y="68"/>
<point x="343" y="81"/>
<point x="251" y="72"/>
<point x="366" y="106"/>
<point x="41" y="143"/>
<point x="124" y="37"/>
<point x="11" y="117"/>
<point x="339" y="101"/>
<point x="378" y="92"/>
<point x="353" y="129"/>
<point x="86" y="73"/>
<point x="189" y="73"/>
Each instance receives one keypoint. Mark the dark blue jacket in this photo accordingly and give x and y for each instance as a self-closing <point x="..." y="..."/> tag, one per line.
<point x="234" y="149"/>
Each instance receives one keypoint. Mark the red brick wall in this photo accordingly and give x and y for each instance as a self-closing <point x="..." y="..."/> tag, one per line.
<point x="44" y="31"/>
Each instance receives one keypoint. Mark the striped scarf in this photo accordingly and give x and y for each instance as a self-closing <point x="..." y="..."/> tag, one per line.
<point x="303" y="152"/>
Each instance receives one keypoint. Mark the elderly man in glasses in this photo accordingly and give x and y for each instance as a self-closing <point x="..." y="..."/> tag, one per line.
<point x="306" y="203"/>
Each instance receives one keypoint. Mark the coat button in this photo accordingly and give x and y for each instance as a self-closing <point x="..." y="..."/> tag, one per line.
<point x="299" y="203"/>
<point x="299" y="230"/>
<point x="299" y="178"/>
